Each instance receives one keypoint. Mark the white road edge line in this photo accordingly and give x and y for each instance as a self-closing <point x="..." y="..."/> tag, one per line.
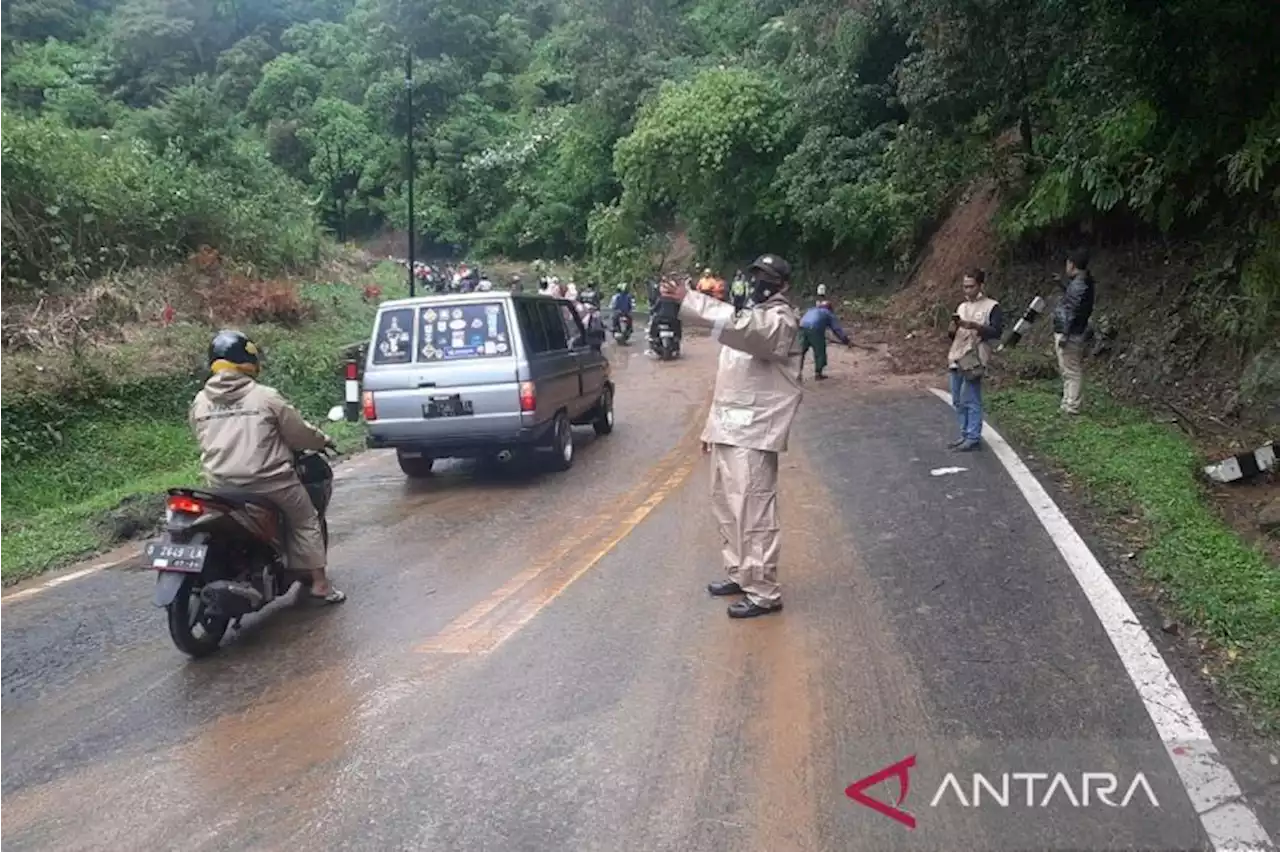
<point x="64" y="578"/>
<point x="1229" y="822"/>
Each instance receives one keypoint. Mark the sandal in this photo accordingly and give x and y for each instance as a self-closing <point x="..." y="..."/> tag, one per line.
<point x="335" y="596"/>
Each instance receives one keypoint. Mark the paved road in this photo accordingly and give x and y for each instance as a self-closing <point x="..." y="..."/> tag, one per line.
<point x="532" y="664"/>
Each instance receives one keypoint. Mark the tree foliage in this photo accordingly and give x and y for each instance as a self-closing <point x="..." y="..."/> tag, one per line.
<point x="588" y="127"/>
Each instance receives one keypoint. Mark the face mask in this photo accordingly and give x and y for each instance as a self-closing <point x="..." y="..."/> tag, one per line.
<point x="762" y="289"/>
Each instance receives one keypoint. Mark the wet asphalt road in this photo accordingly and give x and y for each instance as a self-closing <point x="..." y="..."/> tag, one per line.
<point x="531" y="663"/>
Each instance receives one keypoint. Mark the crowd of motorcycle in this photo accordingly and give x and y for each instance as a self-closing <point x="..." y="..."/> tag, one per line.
<point x="665" y="331"/>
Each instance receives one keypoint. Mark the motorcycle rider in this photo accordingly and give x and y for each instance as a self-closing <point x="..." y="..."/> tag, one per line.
<point x="589" y="309"/>
<point x="248" y="434"/>
<point x="517" y="286"/>
<point x="621" y="305"/>
<point x="755" y="402"/>
<point x="663" y="308"/>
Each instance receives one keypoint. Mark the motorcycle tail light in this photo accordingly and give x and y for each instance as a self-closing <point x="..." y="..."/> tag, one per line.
<point x="528" y="399"/>
<point x="185" y="505"/>
<point x="370" y="409"/>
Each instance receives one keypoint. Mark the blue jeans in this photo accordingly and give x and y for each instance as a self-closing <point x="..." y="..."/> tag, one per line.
<point x="966" y="398"/>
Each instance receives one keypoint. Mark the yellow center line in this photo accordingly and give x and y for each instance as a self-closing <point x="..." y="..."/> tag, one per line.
<point x="467" y="634"/>
<point x="504" y="630"/>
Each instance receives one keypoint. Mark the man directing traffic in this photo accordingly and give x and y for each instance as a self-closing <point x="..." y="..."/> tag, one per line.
<point x="756" y="398"/>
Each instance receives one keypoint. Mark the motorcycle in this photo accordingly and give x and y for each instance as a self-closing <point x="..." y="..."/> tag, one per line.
<point x="222" y="555"/>
<point x="622" y="328"/>
<point x="667" y="345"/>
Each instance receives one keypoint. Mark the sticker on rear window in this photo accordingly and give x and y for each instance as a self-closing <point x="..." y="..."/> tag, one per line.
<point x="394" y="344"/>
<point x="462" y="332"/>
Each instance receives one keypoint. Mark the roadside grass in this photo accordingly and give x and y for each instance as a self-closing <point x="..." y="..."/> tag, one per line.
<point x="1216" y="584"/>
<point x="134" y="442"/>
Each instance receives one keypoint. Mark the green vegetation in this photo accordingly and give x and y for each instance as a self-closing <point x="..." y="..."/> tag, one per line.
<point x="1125" y="464"/>
<point x="128" y="438"/>
<point x="137" y="130"/>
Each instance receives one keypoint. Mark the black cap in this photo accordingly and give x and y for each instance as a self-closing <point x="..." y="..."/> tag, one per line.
<point x="771" y="266"/>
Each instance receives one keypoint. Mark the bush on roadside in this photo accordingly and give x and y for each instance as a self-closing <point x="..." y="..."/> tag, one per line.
<point x="80" y="203"/>
<point x="228" y="296"/>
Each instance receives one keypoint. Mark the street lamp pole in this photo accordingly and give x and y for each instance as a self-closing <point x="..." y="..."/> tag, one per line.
<point x="408" y="90"/>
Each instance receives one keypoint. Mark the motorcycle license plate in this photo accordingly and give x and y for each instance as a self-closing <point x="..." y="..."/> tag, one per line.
<point x="447" y="406"/>
<point x="665" y="333"/>
<point x="177" y="557"/>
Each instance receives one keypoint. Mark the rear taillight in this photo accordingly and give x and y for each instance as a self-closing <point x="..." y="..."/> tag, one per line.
<point x="185" y="505"/>
<point x="528" y="399"/>
<point x="370" y="410"/>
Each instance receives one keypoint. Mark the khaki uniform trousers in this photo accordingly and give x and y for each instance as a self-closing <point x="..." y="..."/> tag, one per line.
<point x="303" y="540"/>
<point x="1071" y="365"/>
<point x="744" y="498"/>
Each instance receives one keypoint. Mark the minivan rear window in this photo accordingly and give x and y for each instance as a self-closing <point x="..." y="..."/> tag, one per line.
<point x="461" y="332"/>
<point x="394" y="343"/>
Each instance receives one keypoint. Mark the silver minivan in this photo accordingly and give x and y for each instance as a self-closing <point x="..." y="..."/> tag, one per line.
<point x="482" y="375"/>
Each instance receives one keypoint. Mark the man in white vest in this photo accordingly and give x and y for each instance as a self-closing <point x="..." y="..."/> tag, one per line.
<point x="976" y="323"/>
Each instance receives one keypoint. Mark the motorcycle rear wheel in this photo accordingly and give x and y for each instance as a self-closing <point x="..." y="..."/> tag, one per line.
<point x="186" y="616"/>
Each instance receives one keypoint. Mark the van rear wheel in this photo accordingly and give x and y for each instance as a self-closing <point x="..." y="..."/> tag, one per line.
<point x="561" y="443"/>
<point x="603" y="422"/>
<point x="415" y="465"/>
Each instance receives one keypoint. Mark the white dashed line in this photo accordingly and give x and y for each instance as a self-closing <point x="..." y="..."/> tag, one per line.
<point x="1229" y="822"/>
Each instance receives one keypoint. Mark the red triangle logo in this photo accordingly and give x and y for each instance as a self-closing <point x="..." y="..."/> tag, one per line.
<point x="897" y="770"/>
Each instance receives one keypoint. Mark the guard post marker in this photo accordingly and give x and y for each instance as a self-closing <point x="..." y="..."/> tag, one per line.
<point x="352" y="395"/>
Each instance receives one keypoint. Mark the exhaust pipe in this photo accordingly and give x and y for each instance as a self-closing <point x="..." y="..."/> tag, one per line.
<point x="504" y="456"/>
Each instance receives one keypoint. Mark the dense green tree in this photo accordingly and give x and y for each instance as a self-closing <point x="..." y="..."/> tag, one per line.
<point x="590" y="127"/>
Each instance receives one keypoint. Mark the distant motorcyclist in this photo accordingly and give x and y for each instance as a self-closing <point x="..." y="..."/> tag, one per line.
<point x="248" y="435"/>
<point x="663" y="309"/>
<point x="589" y="309"/>
<point x="470" y="280"/>
<point x="517" y="286"/>
<point x="621" y="305"/>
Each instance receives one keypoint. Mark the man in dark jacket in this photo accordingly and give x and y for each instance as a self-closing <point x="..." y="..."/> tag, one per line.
<point x="1071" y="327"/>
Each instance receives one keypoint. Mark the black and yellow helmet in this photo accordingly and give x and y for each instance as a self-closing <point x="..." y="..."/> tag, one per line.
<point x="232" y="350"/>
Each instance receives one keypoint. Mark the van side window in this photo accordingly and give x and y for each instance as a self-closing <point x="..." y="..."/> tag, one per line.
<point x="531" y="325"/>
<point x="572" y="326"/>
<point x="555" y="326"/>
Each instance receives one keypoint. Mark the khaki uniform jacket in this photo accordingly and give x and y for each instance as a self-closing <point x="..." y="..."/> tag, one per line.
<point x="757" y="391"/>
<point x="248" y="433"/>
